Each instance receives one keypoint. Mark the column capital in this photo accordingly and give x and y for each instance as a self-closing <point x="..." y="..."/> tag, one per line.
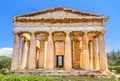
<point x="16" y="33"/>
<point x="32" y="33"/>
<point x="50" y="33"/>
<point x="17" y="36"/>
<point x="101" y="33"/>
<point x="23" y="38"/>
<point x="85" y="33"/>
<point x="67" y="33"/>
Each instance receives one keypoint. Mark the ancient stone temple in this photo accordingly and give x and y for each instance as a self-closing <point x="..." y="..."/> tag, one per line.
<point x="59" y="38"/>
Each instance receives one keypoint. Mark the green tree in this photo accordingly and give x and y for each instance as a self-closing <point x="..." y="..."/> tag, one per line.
<point x="5" y="62"/>
<point x="114" y="55"/>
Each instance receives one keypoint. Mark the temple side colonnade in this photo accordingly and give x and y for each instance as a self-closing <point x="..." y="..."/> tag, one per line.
<point x="59" y="38"/>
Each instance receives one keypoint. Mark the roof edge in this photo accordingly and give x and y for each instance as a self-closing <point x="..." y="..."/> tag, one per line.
<point x="58" y="8"/>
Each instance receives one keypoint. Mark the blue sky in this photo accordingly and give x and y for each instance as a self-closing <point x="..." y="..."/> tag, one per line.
<point x="111" y="8"/>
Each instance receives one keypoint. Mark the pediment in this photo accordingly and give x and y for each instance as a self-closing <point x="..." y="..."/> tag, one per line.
<point x="59" y="12"/>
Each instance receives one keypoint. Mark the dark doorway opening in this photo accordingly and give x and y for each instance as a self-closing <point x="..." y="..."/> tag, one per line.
<point x="60" y="61"/>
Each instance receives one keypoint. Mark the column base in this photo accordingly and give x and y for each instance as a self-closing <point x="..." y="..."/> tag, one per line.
<point x="63" y="72"/>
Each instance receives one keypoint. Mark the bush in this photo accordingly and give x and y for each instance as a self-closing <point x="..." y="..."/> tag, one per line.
<point x="116" y="68"/>
<point x="3" y="71"/>
<point x="5" y="62"/>
<point x="17" y="77"/>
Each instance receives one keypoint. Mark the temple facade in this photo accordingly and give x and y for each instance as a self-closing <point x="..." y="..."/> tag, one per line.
<point x="59" y="38"/>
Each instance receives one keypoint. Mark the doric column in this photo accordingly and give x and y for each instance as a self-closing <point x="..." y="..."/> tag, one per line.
<point x="37" y="56"/>
<point x="45" y="54"/>
<point x="73" y="56"/>
<point x="85" y="52"/>
<point x="50" y="53"/>
<point x="91" y="55"/>
<point x="32" y="52"/>
<point x="24" y="55"/>
<point x="28" y="51"/>
<point x="81" y="55"/>
<point x="95" y="55"/>
<point x="68" y="54"/>
<point x="102" y="53"/>
<point x="41" y="56"/>
<point x="16" y="52"/>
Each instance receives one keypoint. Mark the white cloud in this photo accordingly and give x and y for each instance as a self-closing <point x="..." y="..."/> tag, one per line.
<point x="6" y="51"/>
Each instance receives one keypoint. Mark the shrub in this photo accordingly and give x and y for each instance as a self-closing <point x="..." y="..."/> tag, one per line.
<point x="5" y="62"/>
<point x="17" y="77"/>
<point x="3" y="70"/>
<point x="116" y="68"/>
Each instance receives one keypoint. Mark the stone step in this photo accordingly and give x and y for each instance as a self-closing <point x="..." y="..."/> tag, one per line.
<point x="60" y="72"/>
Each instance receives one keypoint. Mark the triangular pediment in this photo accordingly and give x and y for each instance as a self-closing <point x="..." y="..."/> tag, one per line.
<point x="59" y="12"/>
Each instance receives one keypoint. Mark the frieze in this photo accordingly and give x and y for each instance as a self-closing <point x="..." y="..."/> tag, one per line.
<point x="34" y="24"/>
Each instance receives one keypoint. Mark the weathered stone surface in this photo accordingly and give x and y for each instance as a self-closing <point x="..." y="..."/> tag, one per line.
<point x="36" y="24"/>
<point x="63" y="28"/>
<point x="102" y="53"/>
<point x="91" y="55"/>
<point x="58" y="14"/>
<point x="41" y="55"/>
<point x="16" y="52"/>
<point x="59" y="39"/>
<point x="76" y="54"/>
<point x="85" y="52"/>
<point x="95" y="55"/>
<point x="23" y="56"/>
<point x="68" y="54"/>
<point x="50" y="53"/>
<point x="32" y="52"/>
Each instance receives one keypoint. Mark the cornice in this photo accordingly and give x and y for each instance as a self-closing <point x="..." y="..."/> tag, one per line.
<point x="59" y="20"/>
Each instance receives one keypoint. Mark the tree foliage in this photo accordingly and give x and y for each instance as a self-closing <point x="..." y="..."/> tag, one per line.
<point x="113" y="58"/>
<point x="5" y="62"/>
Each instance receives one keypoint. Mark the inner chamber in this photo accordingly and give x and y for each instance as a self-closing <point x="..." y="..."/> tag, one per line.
<point x="59" y="46"/>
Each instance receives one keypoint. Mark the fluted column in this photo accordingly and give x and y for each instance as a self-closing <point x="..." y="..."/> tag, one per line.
<point x="50" y="53"/>
<point x="32" y="52"/>
<point x="24" y="55"/>
<point x="28" y="51"/>
<point x="91" y="55"/>
<point x="68" y="54"/>
<point x="73" y="56"/>
<point x="16" y="52"/>
<point x="81" y="55"/>
<point x="41" y="56"/>
<point x="102" y="53"/>
<point x="85" y="52"/>
<point x="45" y="54"/>
<point x="37" y="57"/>
<point x="95" y="55"/>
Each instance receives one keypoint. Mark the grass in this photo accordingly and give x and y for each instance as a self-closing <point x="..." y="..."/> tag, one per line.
<point x="115" y="68"/>
<point x="16" y="77"/>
